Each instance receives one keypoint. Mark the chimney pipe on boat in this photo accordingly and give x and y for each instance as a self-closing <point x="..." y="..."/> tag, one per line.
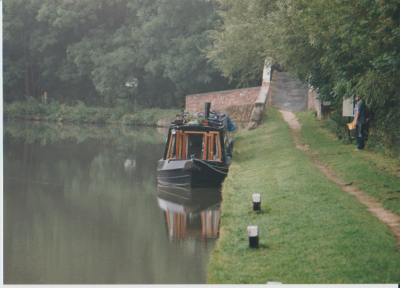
<point x="207" y="107"/>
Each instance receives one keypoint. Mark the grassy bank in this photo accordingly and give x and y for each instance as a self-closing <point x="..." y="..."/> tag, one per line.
<point x="33" y="109"/>
<point x="380" y="140"/>
<point x="374" y="173"/>
<point x="310" y="230"/>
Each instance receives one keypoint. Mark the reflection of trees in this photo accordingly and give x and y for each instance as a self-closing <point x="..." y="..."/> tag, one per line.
<point x="31" y="131"/>
<point x="73" y="214"/>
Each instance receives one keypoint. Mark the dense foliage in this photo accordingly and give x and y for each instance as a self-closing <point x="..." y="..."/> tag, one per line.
<point x="342" y="48"/>
<point x="109" y="52"/>
<point x="238" y="48"/>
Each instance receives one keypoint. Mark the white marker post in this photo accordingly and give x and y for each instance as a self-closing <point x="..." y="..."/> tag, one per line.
<point x="253" y="236"/>
<point x="256" y="202"/>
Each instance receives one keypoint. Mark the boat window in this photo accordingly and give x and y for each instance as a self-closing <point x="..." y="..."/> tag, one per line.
<point x="180" y="147"/>
<point x="210" y="147"/>
<point x="213" y="147"/>
<point x="216" y="147"/>
<point x="172" y="147"/>
<point x="194" y="145"/>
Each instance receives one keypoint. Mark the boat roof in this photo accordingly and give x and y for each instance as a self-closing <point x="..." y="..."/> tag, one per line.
<point x="214" y="122"/>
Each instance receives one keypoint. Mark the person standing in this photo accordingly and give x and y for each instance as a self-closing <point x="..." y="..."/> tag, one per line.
<point x="360" y="121"/>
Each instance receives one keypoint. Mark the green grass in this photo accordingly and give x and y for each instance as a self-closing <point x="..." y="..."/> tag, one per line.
<point x="310" y="230"/>
<point x="377" y="175"/>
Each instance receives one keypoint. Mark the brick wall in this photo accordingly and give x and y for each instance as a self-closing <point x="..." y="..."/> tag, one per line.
<point x="222" y="99"/>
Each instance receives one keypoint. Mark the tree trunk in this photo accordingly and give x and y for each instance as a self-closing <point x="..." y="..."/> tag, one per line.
<point x="33" y="82"/>
<point x="26" y="66"/>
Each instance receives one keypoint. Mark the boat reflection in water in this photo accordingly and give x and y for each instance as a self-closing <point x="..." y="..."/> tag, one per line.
<point x="190" y="212"/>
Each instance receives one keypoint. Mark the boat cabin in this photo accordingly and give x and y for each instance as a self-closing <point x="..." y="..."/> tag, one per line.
<point x="187" y="141"/>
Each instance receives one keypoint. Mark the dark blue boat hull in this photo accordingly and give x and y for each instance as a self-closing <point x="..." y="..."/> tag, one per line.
<point x="173" y="172"/>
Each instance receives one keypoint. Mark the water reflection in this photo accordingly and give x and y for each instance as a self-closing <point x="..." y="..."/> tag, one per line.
<point x="50" y="132"/>
<point x="190" y="212"/>
<point x="129" y="164"/>
<point x="77" y="212"/>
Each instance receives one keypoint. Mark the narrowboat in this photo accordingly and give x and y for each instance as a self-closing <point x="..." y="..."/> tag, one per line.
<point x="198" y="151"/>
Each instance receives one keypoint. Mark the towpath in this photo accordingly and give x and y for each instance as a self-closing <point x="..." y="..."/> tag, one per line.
<point x="290" y="95"/>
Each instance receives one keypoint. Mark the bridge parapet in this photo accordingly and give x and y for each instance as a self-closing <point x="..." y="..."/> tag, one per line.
<point x="222" y="99"/>
<point x="263" y="99"/>
<point x="241" y="103"/>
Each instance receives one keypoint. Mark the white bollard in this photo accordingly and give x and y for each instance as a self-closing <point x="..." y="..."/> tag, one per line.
<point x="253" y="236"/>
<point x="256" y="202"/>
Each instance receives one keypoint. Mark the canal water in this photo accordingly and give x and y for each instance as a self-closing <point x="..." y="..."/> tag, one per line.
<point x="82" y="206"/>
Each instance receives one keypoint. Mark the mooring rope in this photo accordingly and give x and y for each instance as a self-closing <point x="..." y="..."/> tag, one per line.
<point x="211" y="166"/>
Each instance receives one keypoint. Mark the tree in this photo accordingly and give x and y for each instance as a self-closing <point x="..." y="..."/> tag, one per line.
<point x="19" y="62"/>
<point x="342" y="48"/>
<point x="172" y="38"/>
<point x="95" y="47"/>
<point x="239" y="43"/>
<point x="110" y="52"/>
